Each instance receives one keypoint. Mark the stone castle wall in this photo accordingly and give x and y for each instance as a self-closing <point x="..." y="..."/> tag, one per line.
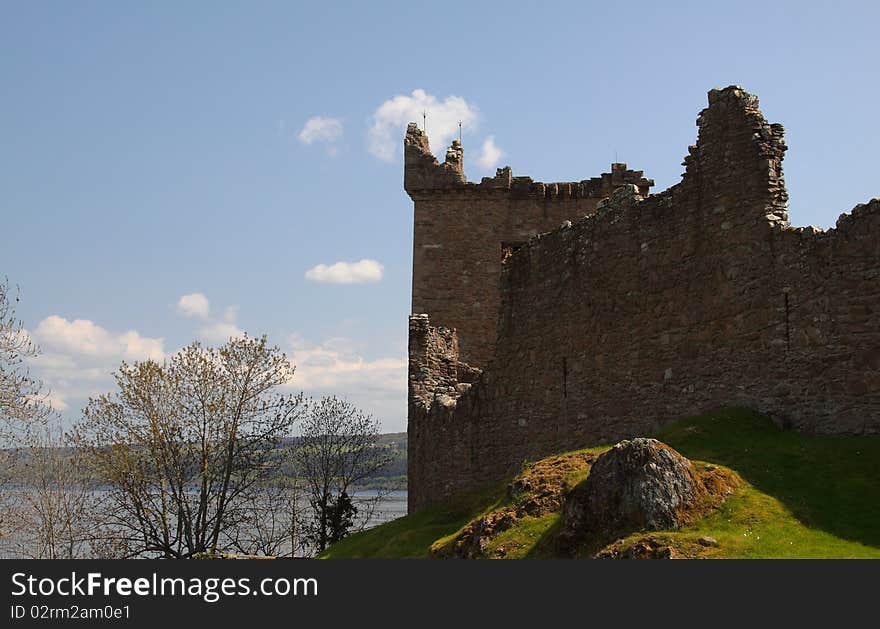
<point x="653" y="308"/>
<point x="463" y="231"/>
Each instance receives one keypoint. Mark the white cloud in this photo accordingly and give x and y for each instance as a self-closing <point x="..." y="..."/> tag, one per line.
<point x="194" y="305"/>
<point x="335" y="367"/>
<point x="83" y="337"/>
<point x="490" y="155"/>
<point x="56" y="361"/>
<point x="346" y="272"/>
<point x="79" y="356"/>
<point x="138" y="347"/>
<point x="390" y="120"/>
<point x="212" y="330"/>
<point x="318" y="129"/>
<point x="220" y="332"/>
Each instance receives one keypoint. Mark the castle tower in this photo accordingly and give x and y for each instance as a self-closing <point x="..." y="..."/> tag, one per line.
<point x="462" y="232"/>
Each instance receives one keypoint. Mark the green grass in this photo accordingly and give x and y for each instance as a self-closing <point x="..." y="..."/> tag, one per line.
<point x="411" y="536"/>
<point x="806" y="496"/>
<point x="830" y="484"/>
<point x="524" y="538"/>
<point x="530" y="538"/>
<point x="754" y="525"/>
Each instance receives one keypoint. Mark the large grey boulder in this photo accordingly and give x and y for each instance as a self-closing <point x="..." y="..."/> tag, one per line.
<point x="641" y="484"/>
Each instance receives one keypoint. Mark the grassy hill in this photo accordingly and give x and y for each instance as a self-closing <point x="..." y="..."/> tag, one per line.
<point x="801" y="496"/>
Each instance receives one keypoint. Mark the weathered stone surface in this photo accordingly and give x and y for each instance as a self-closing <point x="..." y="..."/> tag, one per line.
<point x="699" y="297"/>
<point x="640" y="484"/>
<point x="625" y="196"/>
<point x="472" y="542"/>
<point x="640" y="549"/>
<point x="539" y="489"/>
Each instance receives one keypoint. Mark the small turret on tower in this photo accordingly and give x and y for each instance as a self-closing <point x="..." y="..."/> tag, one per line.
<point x="422" y="171"/>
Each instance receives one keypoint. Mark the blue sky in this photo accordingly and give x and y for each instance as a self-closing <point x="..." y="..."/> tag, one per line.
<point x="152" y="151"/>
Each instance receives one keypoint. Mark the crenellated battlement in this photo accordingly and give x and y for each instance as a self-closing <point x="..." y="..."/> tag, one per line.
<point x="424" y="176"/>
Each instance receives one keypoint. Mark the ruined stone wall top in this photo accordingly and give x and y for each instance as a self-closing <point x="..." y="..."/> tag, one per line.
<point x="424" y="175"/>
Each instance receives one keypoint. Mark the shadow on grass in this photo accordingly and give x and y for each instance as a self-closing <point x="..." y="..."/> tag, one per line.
<point x="828" y="483"/>
<point x="547" y="546"/>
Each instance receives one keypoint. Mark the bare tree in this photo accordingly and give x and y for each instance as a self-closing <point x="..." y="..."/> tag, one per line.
<point x="185" y="445"/>
<point x="22" y="402"/>
<point x="23" y="406"/>
<point x="273" y="522"/>
<point x="337" y="450"/>
<point x="53" y="511"/>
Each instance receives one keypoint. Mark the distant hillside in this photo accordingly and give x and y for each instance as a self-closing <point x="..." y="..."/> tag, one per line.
<point x="800" y="496"/>
<point x="392" y="476"/>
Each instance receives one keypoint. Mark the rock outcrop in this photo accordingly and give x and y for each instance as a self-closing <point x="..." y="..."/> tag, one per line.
<point x="640" y="484"/>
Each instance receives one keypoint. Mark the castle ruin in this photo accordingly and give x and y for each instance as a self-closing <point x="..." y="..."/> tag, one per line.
<point x="548" y="317"/>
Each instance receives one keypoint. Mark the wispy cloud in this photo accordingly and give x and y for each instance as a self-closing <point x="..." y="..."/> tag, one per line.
<point x="391" y="117"/>
<point x="490" y="154"/>
<point x="194" y="305"/>
<point x="322" y="130"/>
<point x="362" y="272"/>
<point x="230" y="314"/>
<point x="335" y="366"/>
<point x="220" y="332"/>
<point x="213" y="330"/>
